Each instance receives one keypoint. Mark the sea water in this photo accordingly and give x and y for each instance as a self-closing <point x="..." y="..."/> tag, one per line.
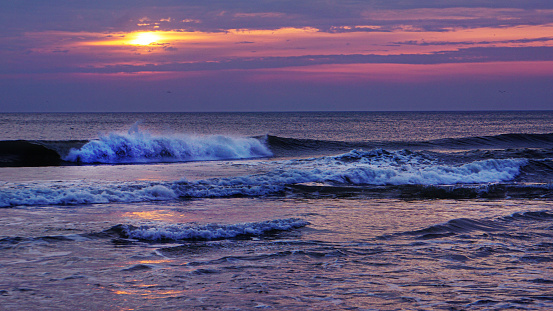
<point x="283" y="211"/>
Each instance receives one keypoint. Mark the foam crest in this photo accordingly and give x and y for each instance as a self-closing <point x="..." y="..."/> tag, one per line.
<point x="356" y="168"/>
<point x="380" y="167"/>
<point x="144" y="147"/>
<point x="485" y="171"/>
<point x="211" y="231"/>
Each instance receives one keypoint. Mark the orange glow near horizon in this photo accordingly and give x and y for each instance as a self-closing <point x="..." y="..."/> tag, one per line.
<point x="289" y="42"/>
<point x="161" y="215"/>
<point x="147" y="52"/>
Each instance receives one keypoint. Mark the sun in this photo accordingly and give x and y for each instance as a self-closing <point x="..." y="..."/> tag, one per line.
<point x="145" y="38"/>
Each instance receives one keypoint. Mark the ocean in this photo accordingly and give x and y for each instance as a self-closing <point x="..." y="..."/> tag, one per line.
<point x="278" y="211"/>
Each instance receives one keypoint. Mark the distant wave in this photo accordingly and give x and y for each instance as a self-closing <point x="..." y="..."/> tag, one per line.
<point x="294" y="147"/>
<point x="501" y="141"/>
<point x="288" y="146"/>
<point x="356" y="168"/>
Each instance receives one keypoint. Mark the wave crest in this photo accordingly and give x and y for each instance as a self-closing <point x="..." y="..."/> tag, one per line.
<point x="143" y="147"/>
<point x="209" y="231"/>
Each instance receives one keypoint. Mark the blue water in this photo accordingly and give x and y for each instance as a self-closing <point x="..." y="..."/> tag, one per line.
<point x="285" y="211"/>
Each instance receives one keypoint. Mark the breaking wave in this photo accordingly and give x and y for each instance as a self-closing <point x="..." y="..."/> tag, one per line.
<point x="143" y="147"/>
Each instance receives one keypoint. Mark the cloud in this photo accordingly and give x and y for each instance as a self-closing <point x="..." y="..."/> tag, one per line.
<point x="48" y="45"/>
<point x="170" y="48"/>
<point x="430" y="43"/>
<point x="467" y="55"/>
<point x="21" y="16"/>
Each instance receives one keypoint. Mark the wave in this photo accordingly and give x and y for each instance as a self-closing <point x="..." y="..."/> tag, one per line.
<point x="456" y="226"/>
<point x="11" y="242"/>
<point x="489" y="226"/>
<point x="511" y="140"/>
<point x="215" y="231"/>
<point x="23" y="195"/>
<point x="173" y="232"/>
<point x="539" y="215"/>
<point x="285" y="146"/>
<point x="293" y="147"/>
<point x="356" y="168"/>
<point x="133" y="147"/>
<point x="143" y="147"/>
<point x="382" y="167"/>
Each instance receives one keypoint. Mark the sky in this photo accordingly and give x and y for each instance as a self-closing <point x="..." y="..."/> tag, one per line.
<point x="275" y="55"/>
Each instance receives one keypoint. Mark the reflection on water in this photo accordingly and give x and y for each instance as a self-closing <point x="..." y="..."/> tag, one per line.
<point x="354" y="254"/>
<point x="160" y="215"/>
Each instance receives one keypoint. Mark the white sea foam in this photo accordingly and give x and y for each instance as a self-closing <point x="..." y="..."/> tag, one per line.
<point x="143" y="147"/>
<point x="354" y="168"/>
<point x="211" y="231"/>
<point x="82" y="193"/>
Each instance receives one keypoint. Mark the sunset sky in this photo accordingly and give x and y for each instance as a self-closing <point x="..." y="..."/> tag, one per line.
<point x="280" y="55"/>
